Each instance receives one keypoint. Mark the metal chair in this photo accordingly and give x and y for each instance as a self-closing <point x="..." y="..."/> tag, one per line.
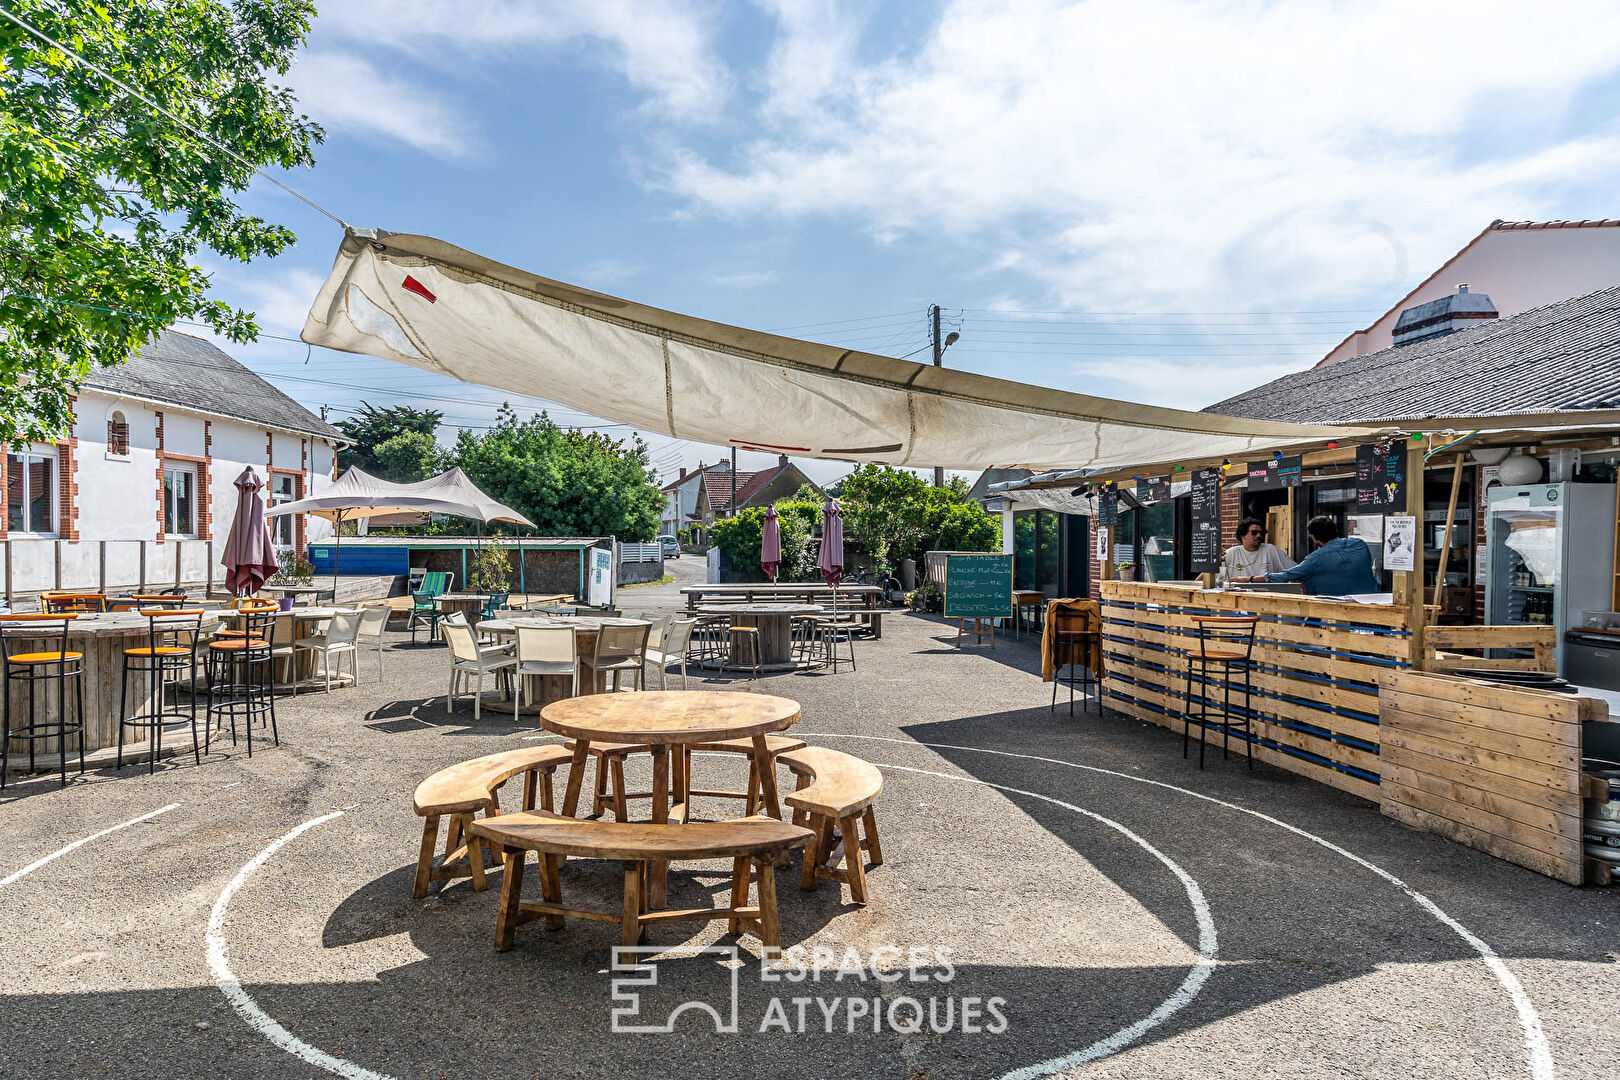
<point x="36" y="666"/>
<point x="172" y="637"/>
<point x="1078" y="638"/>
<point x="1226" y="645"/>
<point x="425" y="603"/>
<point x="62" y="603"/>
<point x="547" y="650"/>
<point x="242" y="677"/>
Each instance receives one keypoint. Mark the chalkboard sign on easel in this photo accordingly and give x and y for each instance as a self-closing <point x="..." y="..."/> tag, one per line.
<point x="1381" y="478"/>
<point x="978" y="586"/>
<point x="1204" y="545"/>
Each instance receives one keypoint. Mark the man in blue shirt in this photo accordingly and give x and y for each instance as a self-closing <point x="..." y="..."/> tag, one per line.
<point x="1338" y="565"/>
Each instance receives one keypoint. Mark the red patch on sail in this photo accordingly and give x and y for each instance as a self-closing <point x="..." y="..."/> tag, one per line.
<point x="412" y="285"/>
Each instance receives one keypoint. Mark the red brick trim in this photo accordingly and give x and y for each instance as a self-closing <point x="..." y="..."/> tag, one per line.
<point x="67" y="479"/>
<point x="205" y="496"/>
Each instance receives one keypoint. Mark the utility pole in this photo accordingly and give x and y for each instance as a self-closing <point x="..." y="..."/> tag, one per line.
<point x="733" y="511"/>
<point x="939" y="361"/>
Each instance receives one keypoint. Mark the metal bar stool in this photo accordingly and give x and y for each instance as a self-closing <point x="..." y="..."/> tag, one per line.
<point x="1078" y="640"/>
<point x="832" y="632"/>
<point x="242" y="677"/>
<point x="1226" y="647"/>
<point x="35" y="666"/>
<point x="169" y="652"/>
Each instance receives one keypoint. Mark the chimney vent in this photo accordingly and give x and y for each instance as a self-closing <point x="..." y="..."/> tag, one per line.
<point x="781" y="461"/>
<point x="1446" y="315"/>
<point x="683" y="472"/>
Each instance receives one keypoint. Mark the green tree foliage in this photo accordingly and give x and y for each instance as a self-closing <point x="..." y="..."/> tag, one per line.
<point x="898" y="515"/>
<point x="568" y="482"/>
<point x="408" y="457"/>
<point x="739" y="538"/>
<point x="371" y="428"/>
<point x="108" y="202"/>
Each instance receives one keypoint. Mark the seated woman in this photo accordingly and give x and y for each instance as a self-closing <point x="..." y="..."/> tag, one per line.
<point x="1337" y="565"/>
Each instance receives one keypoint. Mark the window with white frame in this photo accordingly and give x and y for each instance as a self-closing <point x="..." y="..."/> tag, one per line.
<point x="31" y="492"/>
<point x="179" y="499"/>
<point x="283" y="489"/>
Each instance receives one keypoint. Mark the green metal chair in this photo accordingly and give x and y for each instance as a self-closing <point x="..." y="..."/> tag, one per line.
<point x="424" y="603"/>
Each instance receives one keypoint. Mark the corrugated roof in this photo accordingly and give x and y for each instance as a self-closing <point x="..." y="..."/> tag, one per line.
<point x="187" y="371"/>
<point x="1561" y="357"/>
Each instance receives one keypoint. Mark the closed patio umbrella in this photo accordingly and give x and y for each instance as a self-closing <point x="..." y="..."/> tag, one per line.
<point x="831" y="560"/>
<point x="770" y="543"/>
<point x="250" y="554"/>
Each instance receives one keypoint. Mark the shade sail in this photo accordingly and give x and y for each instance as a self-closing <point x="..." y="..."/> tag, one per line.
<point x="358" y="494"/>
<point x="427" y="303"/>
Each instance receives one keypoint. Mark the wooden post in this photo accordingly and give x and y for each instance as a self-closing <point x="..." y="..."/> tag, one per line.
<point x="1416" y="613"/>
<point x="101" y="574"/>
<point x="141" y="583"/>
<point x="1289" y="532"/>
<point x="1445" y="546"/>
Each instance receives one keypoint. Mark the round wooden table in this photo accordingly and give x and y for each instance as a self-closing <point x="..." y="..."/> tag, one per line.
<point x="541" y="690"/>
<point x="469" y="604"/>
<point x="662" y="719"/>
<point x="775" y="623"/>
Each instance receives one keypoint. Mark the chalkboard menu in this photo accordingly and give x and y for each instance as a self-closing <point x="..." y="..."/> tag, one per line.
<point x="1204" y="547"/>
<point x="978" y="586"/>
<point x="1275" y="473"/>
<point x="1152" y="490"/>
<point x="1381" y="477"/>
<point x="1108" y="507"/>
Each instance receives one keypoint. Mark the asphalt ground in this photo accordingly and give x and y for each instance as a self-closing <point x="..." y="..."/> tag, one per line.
<point x="1079" y="897"/>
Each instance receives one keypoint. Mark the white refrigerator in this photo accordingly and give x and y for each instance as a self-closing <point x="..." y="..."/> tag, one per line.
<point x="1549" y="554"/>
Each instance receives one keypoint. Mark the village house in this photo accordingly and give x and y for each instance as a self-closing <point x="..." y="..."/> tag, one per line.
<point x="704" y="494"/>
<point x="143" y="489"/>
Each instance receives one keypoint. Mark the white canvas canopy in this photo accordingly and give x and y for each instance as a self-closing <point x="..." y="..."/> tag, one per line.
<point x="424" y="302"/>
<point x="358" y="494"/>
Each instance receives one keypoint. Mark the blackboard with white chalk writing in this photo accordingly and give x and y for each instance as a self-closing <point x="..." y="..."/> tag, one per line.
<point x="1108" y="507"/>
<point x="1204" y="545"/>
<point x="978" y="586"/>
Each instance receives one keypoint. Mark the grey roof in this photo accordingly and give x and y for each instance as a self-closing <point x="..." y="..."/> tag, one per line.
<point x="1564" y="356"/>
<point x="183" y="370"/>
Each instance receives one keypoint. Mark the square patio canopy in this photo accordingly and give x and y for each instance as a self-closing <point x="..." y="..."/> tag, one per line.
<point x="432" y="305"/>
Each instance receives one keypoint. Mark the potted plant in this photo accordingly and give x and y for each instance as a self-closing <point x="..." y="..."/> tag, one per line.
<point x="292" y="569"/>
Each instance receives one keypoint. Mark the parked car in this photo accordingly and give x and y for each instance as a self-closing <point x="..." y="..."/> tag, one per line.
<point x="671" y="547"/>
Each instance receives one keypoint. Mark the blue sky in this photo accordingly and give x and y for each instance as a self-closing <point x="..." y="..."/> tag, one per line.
<point x="1150" y="200"/>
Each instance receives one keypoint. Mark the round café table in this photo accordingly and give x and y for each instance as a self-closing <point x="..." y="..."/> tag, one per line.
<point x="775" y="623"/>
<point x="662" y="720"/>
<point x="541" y="690"/>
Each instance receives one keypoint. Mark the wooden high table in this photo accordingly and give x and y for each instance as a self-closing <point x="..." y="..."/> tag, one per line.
<point x="775" y="625"/>
<point x="662" y="720"/>
<point x="102" y="639"/>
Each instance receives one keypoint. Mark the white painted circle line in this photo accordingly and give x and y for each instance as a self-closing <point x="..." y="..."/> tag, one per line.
<point x="248" y="1009"/>
<point x="1535" y="1039"/>
<point x="1194" y="982"/>
<point x="57" y="854"/>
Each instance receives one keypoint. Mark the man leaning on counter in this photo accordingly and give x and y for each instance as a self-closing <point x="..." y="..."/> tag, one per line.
<point x="1338" y="566"/>
<point x="1251" y="556"/>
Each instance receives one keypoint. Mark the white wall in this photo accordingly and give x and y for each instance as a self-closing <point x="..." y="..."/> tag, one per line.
<point x="119" y="496"/>
<point x="1517" y="268"/>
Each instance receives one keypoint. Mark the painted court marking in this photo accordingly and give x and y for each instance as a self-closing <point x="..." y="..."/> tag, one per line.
<point x="1538" y="1053"/>
<point x="260" y="1021"/>
<point x="57" y="854"/>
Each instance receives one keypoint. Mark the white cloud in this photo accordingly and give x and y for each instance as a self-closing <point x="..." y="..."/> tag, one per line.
<point x="1175" y="155"/>
<point x="660" y="48"/>
<point x="603" y="272"/>
<point x="742" y="279"/>
<point x="343" y="91"/>
<point x="281" y="303"/>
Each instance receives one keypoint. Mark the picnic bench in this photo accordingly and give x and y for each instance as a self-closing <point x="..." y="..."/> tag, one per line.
<point x="839" y="789"/>
<point x="859" y="600"/>
<point x="754" y="841"/>
<point x="461" y="791"/>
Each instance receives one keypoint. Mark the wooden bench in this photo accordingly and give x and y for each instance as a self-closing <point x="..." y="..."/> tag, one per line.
<point x="462" y="790"/>
<point x="835" y="787"/>
<point x="776" y="744"/>
<point x="756" y="840"/>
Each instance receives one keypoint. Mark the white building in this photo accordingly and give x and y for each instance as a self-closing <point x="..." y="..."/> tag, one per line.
<point x="152" y="459"/>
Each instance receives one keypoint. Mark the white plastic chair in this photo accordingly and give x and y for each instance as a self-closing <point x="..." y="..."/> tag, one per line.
<point x="338" y="640"/>
<point x="546" y="650"/>
<point x="469" y="659"/>
<point x="676" y="643"/>
<point x="373" y="620"/>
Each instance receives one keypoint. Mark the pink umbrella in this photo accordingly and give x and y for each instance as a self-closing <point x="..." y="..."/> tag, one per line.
<point x="770" y="543"/>
<point x="250" y="555"/>
<point x="831" y="560"/>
